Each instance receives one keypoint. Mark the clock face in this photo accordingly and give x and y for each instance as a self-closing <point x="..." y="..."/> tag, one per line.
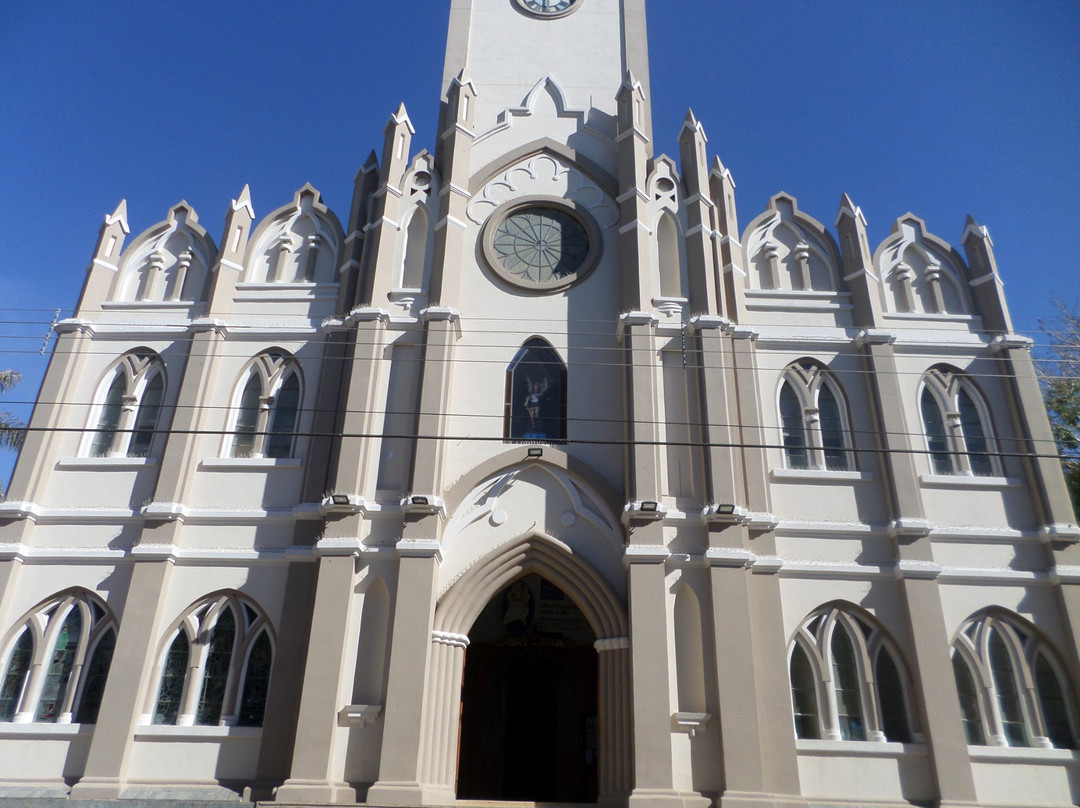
<point x="541" y="245"/>
<point x="549" y="7"/>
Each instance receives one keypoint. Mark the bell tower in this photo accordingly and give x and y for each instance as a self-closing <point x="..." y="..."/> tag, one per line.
<point x="507" y="47"/>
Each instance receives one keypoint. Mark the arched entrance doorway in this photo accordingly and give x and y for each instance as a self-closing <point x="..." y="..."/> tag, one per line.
<point x="529" y="709"/>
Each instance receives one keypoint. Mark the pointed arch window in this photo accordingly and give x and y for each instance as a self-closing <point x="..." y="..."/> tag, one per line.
<point x="129" y="408"/>
<point x="1012" y="687"/>
<point x="814" y="423"/>
<point x="535" y="403"/>
<point x="216" y="666"/>
<point x="50" y="675"/>
<point x="956" y="423"/>
<point x="846" y="681"/>
<point x="267" y="408"/>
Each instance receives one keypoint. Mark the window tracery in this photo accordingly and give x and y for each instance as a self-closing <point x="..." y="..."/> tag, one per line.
<point x="267" y="408"/>
<point x="215" y="669"/>
<point x="1012" y="686"/>
<point x="129" y="407"/>
<point x="846" y="681"/>
<point x="956" y="424"/>
<point x="813" y="420"/>
<point x="58" y="661"/>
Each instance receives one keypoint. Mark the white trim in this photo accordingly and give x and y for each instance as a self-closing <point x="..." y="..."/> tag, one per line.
<point x="968" y="481"/>
<point x="250" y="463"/>
<point x="820" y="476"/>
<point x="168" y="732"/>
<point x="887" y="749"/>
<point x="105" y="463"/>
<point x="1023" y="754"/>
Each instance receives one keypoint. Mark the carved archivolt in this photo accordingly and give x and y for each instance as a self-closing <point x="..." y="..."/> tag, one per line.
<point x="545" y="175"/>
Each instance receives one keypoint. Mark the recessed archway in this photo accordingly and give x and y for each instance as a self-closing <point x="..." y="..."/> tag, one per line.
<point x="529" y="722"/>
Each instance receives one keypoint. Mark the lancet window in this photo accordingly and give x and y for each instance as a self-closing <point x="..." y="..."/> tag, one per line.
<point x="956" y="421"/>
<point x="814" y="420"/>
<point x="847" y="682"/>
<point x="535" y="404"/>
<point x="266" y="408"/>
<point x="215" y="666"/>
<point x="1012" y="686"/>
<point x="129" y="407"/>
<point x="57" y="661"/>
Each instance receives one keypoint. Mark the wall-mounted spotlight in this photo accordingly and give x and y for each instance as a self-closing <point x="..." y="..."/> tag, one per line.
<point x="339" y="499"/>
<point x="649" y="506"/>
<point x="420" y="501"/>
<point x="535" y="453"/>
<point x="725" y="510"/>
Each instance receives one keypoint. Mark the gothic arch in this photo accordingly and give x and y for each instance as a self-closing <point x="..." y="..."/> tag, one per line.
<point x="466" y="598"/>
<point x="547" y="557"/>
<point x="788" y="250"/>
<point x="921" y="273"/>
<point x="297" y="243"/>
<point x="167" y="263"/>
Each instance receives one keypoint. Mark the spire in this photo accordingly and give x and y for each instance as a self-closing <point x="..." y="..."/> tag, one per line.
<point x="399" y="132"/>
<point x="244" y="201"/>
<point x="461" y="104"/>
<point x="858" y="263"/>
<point x="986" y="283"/>
<point x="230" y="265"/>
<point x="693" y="155"/>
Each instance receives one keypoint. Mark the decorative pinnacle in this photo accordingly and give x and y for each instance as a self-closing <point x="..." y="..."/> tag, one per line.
<point x="244" y="201"/>
<point x="119" y="216"/>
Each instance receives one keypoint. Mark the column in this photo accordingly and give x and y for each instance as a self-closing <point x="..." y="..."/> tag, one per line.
<point x="920" y="596"/>
<point x="399" y="766"/>
<point x="128" y="685"/>
<point x="616" y="748"/>
<point x="653" y="766"/>
<point x="312" y="779"/>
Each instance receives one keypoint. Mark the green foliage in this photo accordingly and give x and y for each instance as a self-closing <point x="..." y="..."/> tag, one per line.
<point x="1060" y="377"/>
<point x="12" y="429"/>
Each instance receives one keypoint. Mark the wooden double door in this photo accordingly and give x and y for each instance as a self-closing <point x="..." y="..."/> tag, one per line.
<point x="529" y="723"/>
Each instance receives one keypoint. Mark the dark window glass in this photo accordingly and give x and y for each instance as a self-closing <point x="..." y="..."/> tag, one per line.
<point x="969" y="702"/>
<point x="1008" y="694"/>
<point x="794" y="429"/>
<point x="216" y="674"/>
<point x="849" y="710"/>
<point x="173" y="676"/>
<point x="804" y="696"/>
<point x="536" y="390"/>
<point x="978" y="447"/>
<point x="146" y="420"/>
<point x="934" y="423"/>
<point x="97" y="672"/>
<point x="110" y="417"/>
<point x="832" y="431"/>
<point x="58" y="674"/>
<point x="283" y="427"/>
<point x="18" y="668"/>
<point x="247" y="419"/>
<point x="256" y="683"/>
<point x="894" y="720"/>
<point x="1052" y="704"/>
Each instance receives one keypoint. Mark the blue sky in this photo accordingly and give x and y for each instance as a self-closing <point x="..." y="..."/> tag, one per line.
<point x="938" y="108"/>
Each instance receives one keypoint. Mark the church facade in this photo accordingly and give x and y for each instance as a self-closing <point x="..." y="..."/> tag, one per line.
<point x="540" y="477"/>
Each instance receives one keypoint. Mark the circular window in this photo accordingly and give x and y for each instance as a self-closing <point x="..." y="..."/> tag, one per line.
<point x="550" y="8"/>
<point x="542" y="244"/>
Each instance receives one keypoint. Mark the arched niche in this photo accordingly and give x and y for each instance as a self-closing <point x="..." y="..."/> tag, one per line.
<point x="168" y="263"/>
<point x="920" y="273"/>
<point x="298" y="243"/>
<point x="536" y="394"/>
<point x="787" y="250"/>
